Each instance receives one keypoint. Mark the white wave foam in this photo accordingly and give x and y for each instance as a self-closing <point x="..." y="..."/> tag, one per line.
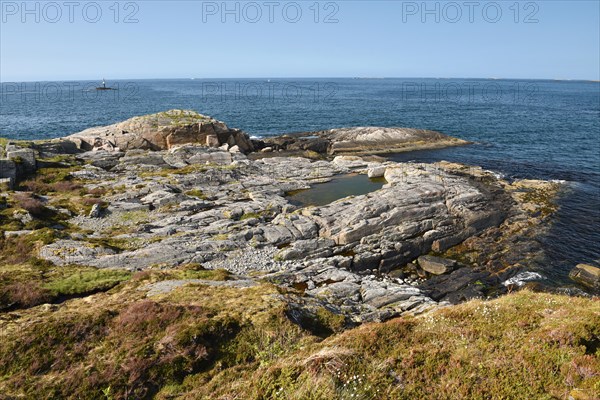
<point x="523" y="277"/>
<point x="497" y="175"/>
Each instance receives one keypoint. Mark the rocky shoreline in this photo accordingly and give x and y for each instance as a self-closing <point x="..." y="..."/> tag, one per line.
<point x="178" y="188"/>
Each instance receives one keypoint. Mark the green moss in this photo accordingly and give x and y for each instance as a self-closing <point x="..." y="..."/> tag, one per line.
<point x="12" y="225"/>
<point x="467" y="351"/>
<point x="196" y="193"/>
<point x="68" y="159"/>
<point x="45" y="236"/>
<point x="86" y="281"/>
<point x="186" y="271"/>
<point x="249" y="216"/>
<point x="54" y="175"/>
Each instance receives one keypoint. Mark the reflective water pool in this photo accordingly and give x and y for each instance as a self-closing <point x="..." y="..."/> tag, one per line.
<point x="338" y="188"/>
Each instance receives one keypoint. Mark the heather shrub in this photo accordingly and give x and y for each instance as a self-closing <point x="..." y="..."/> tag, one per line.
<point x="29" y="203"/>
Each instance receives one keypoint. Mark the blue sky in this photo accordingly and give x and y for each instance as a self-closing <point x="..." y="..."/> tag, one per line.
<point x="183" y="39"/>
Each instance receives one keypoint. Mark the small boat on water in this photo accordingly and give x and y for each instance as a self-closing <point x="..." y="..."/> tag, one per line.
<point x="104" y="87"/>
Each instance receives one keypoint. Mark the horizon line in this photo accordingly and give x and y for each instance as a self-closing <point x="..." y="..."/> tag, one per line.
<point x="306" y="77"/>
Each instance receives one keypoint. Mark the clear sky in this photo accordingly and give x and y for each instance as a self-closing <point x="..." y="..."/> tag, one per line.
<point x="183" y="39"/>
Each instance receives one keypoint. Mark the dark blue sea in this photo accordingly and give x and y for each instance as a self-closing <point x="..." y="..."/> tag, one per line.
<point x="521" y="128"/>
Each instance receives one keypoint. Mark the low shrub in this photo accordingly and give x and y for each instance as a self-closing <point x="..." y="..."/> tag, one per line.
<point x="52" y="180"/>
<point x="29" y="203"/>
<point x="23" y="295"/>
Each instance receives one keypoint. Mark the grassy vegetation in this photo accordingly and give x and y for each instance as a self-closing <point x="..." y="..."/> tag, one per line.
<point x="201" y="342"/>
<point x="18" y="143"/>
<point x="22" y="249"/>
<point x="186" y="271"/>
<point x="66" y="192"/>
<point x="27" y="281"/>
<point x="86" y="281"/>
<point x="67" y="198"/>
<point x="141" y="346"/>
<point x="30" y="284"/>
<point x="52" y="180"/>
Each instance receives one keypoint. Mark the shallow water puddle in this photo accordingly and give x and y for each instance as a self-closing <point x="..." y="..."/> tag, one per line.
<point x="338" y="188"/>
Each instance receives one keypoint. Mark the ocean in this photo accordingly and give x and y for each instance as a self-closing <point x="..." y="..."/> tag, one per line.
<point x="536" y="129"/>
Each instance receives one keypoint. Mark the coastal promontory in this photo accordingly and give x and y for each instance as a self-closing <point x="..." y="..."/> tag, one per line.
<point x="172" y="254"/>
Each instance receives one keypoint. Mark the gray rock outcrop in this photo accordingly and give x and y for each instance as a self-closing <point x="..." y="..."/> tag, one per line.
<point x="24" y="158"/>
<point x="194" y="204"/>
<point x="8" y="170"/>
<point x="162" y="131"/>
<point x="179" y="189"/>
<point x="436" y="265"/>
<point x="363" y="140"/>
<point x="587" y="275"/>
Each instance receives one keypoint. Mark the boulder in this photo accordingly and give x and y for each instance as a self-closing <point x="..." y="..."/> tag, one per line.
<point x="376" y="172"/>
<point x="95" y="211"/>
<point x="436" y="265"/>
<point x="365" y="261"/>
<point x="101" y="159"/>
<point x="23" y="216"/>
<point x="56" y="147"/>
<point x="363" y="140"/>
<point x="587" y="275"/>
<point x="460" y="285"/>
<point x="8" y="170"/>
<point x="24" y="158"/>
<point x="349" y="161"/>
<point x="137" y="157"/>
<point x="277" y="234"/>
<point x="213" y="141"/>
